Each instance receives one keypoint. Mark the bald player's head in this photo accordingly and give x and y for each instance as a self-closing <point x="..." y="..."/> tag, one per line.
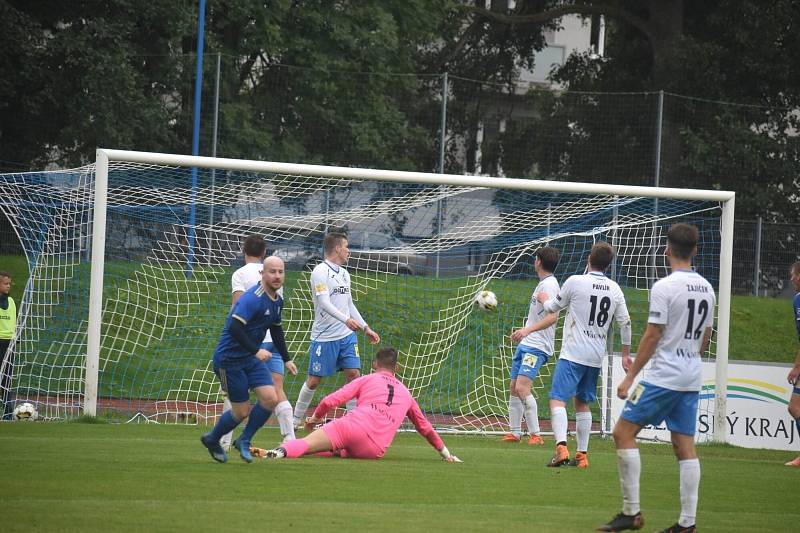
<point x="272" y="274"/>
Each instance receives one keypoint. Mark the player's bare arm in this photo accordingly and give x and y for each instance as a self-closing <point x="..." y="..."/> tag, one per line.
<point x="706" y="340"/>
<point x="544" y="323"/>
<point x="372" y="335"/>
<point x="647" y="347"/>
<point x="235" y="297"/>
<point x="263" y="355"/>
<point x="794" y="373"/>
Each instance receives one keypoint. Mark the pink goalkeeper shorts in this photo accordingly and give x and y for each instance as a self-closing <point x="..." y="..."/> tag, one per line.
<point x="351" y="440"/>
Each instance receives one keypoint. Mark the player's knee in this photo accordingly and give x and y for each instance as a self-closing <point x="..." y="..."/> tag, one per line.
<point x="522" y="390"/>
<point x="312" y="382"/>
<point x="683" y="448"/>
<point x="581" y="406"/>
<point x="241" y="410"/>
<point x="623" y="438"/>
<point x="794" y="409"/>
<point x="618" y="434"/>
<point x="281" y="394"/>
<point x="268" y="399"/>
<point x="554" y="404"/>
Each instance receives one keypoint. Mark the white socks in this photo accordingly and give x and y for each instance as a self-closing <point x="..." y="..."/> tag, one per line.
<point x="558" y="418"/>
<point x="531" y="415"/>
<point x="225" y="441"/>
<point x="303" y="401"/>
<point x="515" y="415"/>
<point x="283" y="412"/>
<point x="583" y="428"/>
<point x="690" y="484"/>
<point x="630" y="466"/>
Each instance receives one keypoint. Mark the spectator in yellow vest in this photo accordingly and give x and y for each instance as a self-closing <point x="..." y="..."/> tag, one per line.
<point x="8" y="323"/>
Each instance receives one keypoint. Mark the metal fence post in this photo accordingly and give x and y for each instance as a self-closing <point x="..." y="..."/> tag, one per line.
<point x="757" y="269"/>
<point x="442" y="137"/>
<point x="657" y="182"/>
<point x="214" y="139"/>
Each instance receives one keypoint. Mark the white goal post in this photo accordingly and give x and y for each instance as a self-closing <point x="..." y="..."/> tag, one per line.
<point x="105" y="157"/>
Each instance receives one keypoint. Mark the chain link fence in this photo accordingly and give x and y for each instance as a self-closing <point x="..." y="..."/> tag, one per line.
<point x="762" y="255"/>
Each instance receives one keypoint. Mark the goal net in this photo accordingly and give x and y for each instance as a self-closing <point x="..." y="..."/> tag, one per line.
<point x="154" y="240"/>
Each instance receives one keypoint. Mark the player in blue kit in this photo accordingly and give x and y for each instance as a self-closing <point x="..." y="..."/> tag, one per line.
<point x="678" y="332"/>
<point x="245" y="278"/>
<point x="794" y="373"/>
<point x="240" y="362"/>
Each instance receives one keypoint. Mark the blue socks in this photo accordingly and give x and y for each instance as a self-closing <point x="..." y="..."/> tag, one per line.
<point x="258" y="417"/>
<point x="225" y="424"/>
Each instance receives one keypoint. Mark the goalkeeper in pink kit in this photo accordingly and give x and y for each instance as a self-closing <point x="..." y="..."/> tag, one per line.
<point x="367" y="431"/>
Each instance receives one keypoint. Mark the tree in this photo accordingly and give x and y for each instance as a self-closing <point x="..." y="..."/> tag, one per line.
<point x="88" y="74"/>
<point x="728" y="50"/>
<point x="120" y="73"/>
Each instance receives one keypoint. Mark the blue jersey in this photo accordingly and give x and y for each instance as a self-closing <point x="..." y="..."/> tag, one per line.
<point x="797" y="313"/>
<point x="257" y="311"/>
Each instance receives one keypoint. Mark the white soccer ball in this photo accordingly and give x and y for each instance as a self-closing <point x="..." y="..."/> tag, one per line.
<point x="25" y="412"/>
<point x="486" y="300"/>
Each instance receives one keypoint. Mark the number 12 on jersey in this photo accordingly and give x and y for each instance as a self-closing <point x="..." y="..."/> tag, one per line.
<point x="702" y="309"/>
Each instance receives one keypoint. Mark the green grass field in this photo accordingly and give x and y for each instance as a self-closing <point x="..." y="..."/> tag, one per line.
<point x="104" y="477"/>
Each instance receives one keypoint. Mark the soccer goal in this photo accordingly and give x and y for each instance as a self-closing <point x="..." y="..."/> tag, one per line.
<point x="130" y="262"/>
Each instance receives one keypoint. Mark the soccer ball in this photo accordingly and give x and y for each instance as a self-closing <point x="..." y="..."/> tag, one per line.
<point x="25" y="412"/>
<point x="486" y="300"/>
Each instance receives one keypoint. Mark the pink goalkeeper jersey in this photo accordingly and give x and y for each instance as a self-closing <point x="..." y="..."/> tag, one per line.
<point x="383" y="404"/>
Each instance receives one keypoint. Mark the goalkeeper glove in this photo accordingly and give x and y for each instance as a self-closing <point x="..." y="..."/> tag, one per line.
<point x="447" y="456"/>
<point x="258" y="452"/>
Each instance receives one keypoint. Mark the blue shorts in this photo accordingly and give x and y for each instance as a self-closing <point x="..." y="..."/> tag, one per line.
<point x="275" y="363"/>
<point x="573" y="379"/>
<point x="237" y="379"/>
<point x="527" y="361"/>
<point x="649" y="404"/>
<point x="325" y="358"/>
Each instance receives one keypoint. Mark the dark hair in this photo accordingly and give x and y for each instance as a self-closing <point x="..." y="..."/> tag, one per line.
<point x="255" y="246"/>
<point x="332" y="240"/>
<point x="549" y="257"/>
<point x="4" y="274"/>
<point x="682" y="239"/>
<point x="386" y="357"/>
<point x="601" y="255"/>
<point x="795" y="268"/>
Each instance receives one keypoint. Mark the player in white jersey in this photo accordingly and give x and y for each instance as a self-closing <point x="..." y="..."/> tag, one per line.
<point x="536" y="345"/>
<point x="334" y="344"/>
<point x="592" y="300"/>
<point x="678" y="332"/>
<point x="244" y="278"/>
